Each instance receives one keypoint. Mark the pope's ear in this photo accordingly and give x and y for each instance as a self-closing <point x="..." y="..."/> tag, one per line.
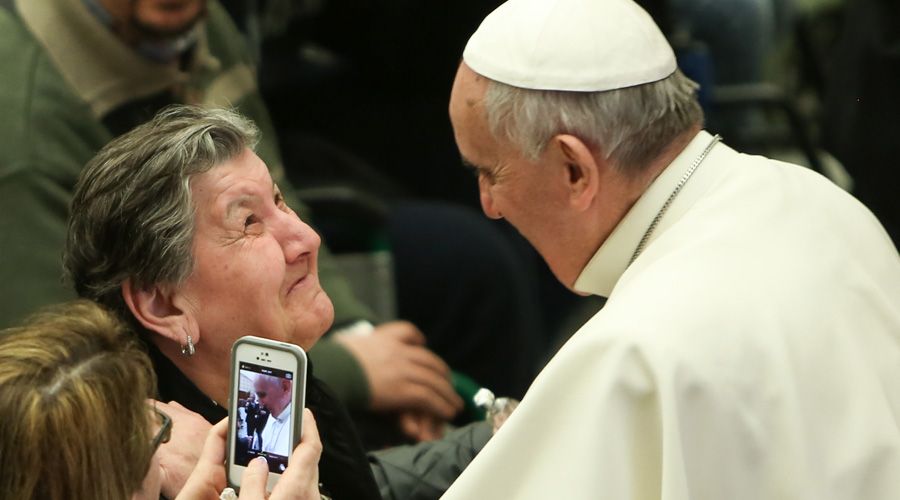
<point x="160" y="311"/>
<point x="582" y="170"/>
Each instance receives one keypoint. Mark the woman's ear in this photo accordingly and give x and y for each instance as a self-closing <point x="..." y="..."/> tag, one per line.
<point x="582" y="172"/>
<point x="162" y="311"/>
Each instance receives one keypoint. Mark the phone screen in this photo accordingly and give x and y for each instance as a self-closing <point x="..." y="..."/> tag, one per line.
<point x="264" y="416"/>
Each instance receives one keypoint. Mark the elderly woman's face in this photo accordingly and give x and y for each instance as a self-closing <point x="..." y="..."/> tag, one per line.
<point x="255" y="261"/>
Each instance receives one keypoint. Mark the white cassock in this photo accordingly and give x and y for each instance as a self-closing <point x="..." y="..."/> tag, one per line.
<point x="276" y="435"/>
<point x="752" y="351"/>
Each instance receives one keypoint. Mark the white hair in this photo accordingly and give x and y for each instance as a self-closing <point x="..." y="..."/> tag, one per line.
<point x="630" y="126"/>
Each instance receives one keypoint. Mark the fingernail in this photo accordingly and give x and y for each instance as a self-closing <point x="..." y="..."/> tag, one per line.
<point x="262" y="459"/>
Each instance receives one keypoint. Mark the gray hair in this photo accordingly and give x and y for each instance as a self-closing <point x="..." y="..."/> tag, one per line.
<point x="631" y="126"/>
<point x="132" y="216"/>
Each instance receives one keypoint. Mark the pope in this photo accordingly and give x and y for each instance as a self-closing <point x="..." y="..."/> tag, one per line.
<point x="750" y="344"/>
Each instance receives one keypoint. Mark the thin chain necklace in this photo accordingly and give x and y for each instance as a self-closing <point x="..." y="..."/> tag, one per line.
<point x="662" y="211"/>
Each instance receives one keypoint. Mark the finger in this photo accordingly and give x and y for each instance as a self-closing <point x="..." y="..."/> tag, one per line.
<point x="422" y="398"/>
<point x="220" y="429"/>
<point x="175" y="404"/>
<point x="409" y="424"/>
<point x="162" y="405"/>
<point x="209" y="475"/>
<point x="214" y="449"/>
<point x="427" y="432"/>
<point x="421" y="426"/>
<point x="310" y="429"/>
<point x="302" y="472"/>
<point x="435" y="383"/>
<point x="308" y="452"/>
<point x="433" y="428"/>
<point x="403" y="331"/>
<point x="428" y="359"/>
<point x="253" y="483"/>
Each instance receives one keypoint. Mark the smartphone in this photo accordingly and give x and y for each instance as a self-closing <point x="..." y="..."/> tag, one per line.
<point x="265" y="405"/>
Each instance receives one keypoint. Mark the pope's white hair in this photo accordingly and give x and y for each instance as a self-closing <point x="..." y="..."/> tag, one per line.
<point x="629" y="126"/>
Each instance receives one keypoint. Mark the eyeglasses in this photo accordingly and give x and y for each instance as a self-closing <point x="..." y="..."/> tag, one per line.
<point x="165" y="429"/>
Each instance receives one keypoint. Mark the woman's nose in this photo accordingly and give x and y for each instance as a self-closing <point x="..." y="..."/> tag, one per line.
<point x="296" y="237"/>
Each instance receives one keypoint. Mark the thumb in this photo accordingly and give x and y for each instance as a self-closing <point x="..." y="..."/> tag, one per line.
<point x="253" y="484"/>
<point x="214" y="447"/>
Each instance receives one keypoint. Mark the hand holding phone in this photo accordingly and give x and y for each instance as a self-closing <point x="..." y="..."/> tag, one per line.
<point x="301" y="479"/>
<point x="266" y="401"/>
<point x="178" y="457"/>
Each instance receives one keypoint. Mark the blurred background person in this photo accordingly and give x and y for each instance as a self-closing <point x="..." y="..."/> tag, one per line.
<point x="257" y="415"/>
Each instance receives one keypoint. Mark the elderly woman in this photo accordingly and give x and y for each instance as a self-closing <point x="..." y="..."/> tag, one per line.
<point x="77" y="424"/>
<point x="178" y="226"/>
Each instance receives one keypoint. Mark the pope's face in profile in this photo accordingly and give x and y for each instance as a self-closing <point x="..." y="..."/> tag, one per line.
<point x="273" y="394"/>
<point x="255" y="261"/>
<point x="511" y="187"/>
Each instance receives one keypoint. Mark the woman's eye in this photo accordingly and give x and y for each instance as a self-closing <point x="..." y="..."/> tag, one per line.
<point x="250" y="220"/>
<point x="282" y="205"/>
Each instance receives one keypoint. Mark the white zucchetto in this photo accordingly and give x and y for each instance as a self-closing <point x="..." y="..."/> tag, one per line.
<point x="576" y="45"/>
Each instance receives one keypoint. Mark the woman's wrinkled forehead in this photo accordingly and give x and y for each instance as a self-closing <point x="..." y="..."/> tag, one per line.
<point x="220" y="189"/>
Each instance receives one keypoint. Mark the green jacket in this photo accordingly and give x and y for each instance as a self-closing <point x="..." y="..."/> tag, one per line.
<point x="67" y="87"/>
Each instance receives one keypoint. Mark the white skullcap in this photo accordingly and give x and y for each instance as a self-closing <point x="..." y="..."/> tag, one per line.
<point x="578" y="45"/>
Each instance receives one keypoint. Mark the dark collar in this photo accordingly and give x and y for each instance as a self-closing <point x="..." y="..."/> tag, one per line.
<point x="173" y="385"/>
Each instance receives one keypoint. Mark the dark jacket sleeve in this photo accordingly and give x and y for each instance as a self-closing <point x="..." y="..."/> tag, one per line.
<point x="424" y="471"/>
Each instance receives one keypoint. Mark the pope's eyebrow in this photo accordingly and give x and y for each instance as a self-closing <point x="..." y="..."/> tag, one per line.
<point x="468" y="164"/>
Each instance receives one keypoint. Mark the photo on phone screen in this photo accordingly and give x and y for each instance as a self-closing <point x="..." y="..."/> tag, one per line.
<point x="263" y="424"/>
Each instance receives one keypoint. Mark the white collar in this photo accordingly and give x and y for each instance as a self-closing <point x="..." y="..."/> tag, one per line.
<point x="603" y="271"/>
